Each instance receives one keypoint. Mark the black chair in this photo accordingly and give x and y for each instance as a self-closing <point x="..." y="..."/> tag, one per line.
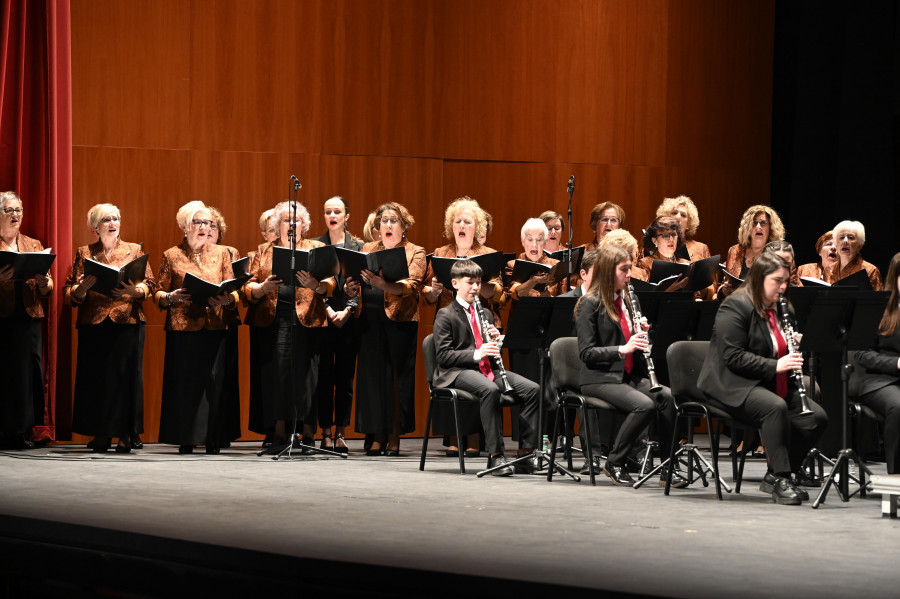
<point x="445" y="395"/>
<point x="565" y="365"/>
<point x="685" y="360"/>
<point x="857" y="412"/>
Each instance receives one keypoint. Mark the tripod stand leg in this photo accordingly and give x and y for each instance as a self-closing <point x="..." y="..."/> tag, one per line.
<point x="707" y="466"/>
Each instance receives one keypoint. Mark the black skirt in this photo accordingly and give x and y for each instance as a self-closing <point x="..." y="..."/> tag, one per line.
<point x="193" y="386"/>
<point x="279" y="381"/>
<point x="255" y="422"/>
<point x="22" y="399"/>
<point x="109" y="380"/>
<point x="386" y="370"/>
<point x="230" y="411"/>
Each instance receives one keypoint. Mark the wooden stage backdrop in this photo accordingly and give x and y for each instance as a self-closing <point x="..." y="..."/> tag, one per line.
<point x="416" y="101"/>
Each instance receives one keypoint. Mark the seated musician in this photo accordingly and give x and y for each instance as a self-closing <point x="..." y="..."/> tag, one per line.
<point x="747" y="374"/>
<point x="614" y="368"/>
<point x="465" y="361"/>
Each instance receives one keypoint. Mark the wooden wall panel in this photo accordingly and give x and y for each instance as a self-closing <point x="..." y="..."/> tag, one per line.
<point x="416" y="101"/>
<point x="131" y="73"/>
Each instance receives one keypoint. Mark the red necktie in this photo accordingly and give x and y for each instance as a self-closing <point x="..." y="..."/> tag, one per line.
<point x="623" y="322"/>
<point x="483" y="365"/>
<point x="781" y="379"/>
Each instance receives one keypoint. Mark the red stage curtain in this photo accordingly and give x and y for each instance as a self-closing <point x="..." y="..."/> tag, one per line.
<point x="36" y="160"/>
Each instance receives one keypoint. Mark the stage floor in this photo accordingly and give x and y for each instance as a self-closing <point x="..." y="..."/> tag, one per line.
<point x="153" y="523"/>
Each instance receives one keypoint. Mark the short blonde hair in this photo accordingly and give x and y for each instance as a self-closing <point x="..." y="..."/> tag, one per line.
<point x="369" y="228"/>
<point x="453" y="210"/>
<point x="283" y="208"/>
<point x="851" y="225"/>
<point x="623" y="239"/>
<point x="776" y="227"/>
<point x="264" y="219"/>
<point x="7" y="196"/>
<point x="693" y="216"/>
<point x="220" y="221"/>
<point x="534" y="224"/>
<point x="96" y="213"/>
<point x="186" y="214"/>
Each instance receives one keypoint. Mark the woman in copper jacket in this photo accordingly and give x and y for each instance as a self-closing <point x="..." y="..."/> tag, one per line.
<point x="288" y="387"/>
<point x="193" y="371"/>
<point x="109" y="380"/>
<point x="20" y="328"/>
<point x="389" y="319"/>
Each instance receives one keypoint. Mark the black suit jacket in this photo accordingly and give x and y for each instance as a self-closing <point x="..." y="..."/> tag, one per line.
<point x="880" y="364"/>
<point x="454" y="343"/>
<point x="599" y="338"/>
<point x="741" y="353"/>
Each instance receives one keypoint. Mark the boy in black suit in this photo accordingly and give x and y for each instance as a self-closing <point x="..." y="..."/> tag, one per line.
<point x="465" y="361"/>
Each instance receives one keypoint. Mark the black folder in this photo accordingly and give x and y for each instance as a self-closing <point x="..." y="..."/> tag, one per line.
<point x="662" y="285"/>
<point x="562" y="255"/>
<point x="111" y="277"/>
<point x="27" y="264"/>
<point x="201" y="290"/>
<point x="859" y="279"/>
<point x="392" y="262"/>
<point x="320" y="262"/>
<point x="735" y="281"/>
<point x="491" y="265"/>
<point x="241" y="267"/>
<point x="701" y="274"/>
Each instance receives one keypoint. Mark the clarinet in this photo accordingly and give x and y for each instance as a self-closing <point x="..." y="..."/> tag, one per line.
<point x="636" y="320"/>
<point x="498" y="361"/>
<point x="796" y="374"/>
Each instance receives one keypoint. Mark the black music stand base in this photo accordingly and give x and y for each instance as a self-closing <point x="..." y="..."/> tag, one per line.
<point x="696" y="463"/>
<point x="535" y="457"/>
<point x="283" y="452"/>
<point x="842" y="468"/>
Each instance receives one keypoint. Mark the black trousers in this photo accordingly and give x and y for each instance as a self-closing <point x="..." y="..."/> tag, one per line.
<point x="786" y="434"/>
<point x="886" y="401"/>
<point x="641" y="407"/>
<point x="488" y="394"/>
<point x="337" y="366"/>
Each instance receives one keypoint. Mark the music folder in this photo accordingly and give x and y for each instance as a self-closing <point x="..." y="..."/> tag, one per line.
<point x="525" y="269"/>
<point x="391" y="261"/>
<point x="644" y="286"/>
<point x="27" y="264"/>
<point x="701" y="274"/>
<point x="110" y="277"/>
<point x="561" y="255"/>
<point x="241" y="267"/>
<point x="320" y="263"/>
<point x="491" y="265"/>
<point x="858" y="279"/>
<point x="201" y="290"/>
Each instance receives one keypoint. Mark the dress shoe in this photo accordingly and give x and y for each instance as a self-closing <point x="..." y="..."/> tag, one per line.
<point x="595" y="465"/>
<point x="19" y="441"/>
<point x="373" y="451"/>
<point x="500" y="460"/>
<point x="99" y="444"/>
<point x="327" y="442"/>
<point x="678" y="481"/>
<point x="452" y="453"/>
<point x="473" y="453"/>
<point x="308" y="446"/>
<point x="618" y="475"/>
<point x="804" y="479"/>
<point x="781" y="489"/>
<point x="392" y="453"/>
<point x="185" y="449"/>
<point x="529" y="466"/>
<point x="212" y="450"/>
<point x="267" y="442"/>
<point x="136" y="442"/>
<point x="343" y="447"/>
<point x="124" y="445"/>
<point x="636" y="465"/>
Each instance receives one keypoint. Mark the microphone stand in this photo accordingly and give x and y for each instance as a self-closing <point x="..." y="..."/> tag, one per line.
<point x="571" y="189"/>
<point x="295" y="440"/>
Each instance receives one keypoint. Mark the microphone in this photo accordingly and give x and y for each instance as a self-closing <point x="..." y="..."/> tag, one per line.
<point x="296" y="182"/>
<point x="571" y="186"/>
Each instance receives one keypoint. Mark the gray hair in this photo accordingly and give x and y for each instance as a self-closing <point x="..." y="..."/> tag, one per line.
<point x="282" y="208"/>
<point x="6" y="196"/>
<point x="534" y="224"/>
<point x="851" y="225"/>
<point x="97" y="211"/>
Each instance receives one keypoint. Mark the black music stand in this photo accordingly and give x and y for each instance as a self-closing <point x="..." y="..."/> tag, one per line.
<point x="534" y="323"/>
<point x="858" y="314"/>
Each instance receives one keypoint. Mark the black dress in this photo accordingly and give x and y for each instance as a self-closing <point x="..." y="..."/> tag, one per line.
<point x="21" y="355"/>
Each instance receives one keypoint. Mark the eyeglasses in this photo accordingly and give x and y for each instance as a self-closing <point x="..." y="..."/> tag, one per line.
<point x="11" y="211"/>
<point x="392" y="221"/>
<point x="760" y="223"/>
<point x="109" y="219"/>
<point x="554" y="228"/>
<point x="202" y="223"/>
<point x="668" y="235"/>
<point x="610" y="221"/>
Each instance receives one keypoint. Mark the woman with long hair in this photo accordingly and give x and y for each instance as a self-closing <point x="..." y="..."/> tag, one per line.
<point x="614" y="368"/>
<point x="880" y="385"/>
